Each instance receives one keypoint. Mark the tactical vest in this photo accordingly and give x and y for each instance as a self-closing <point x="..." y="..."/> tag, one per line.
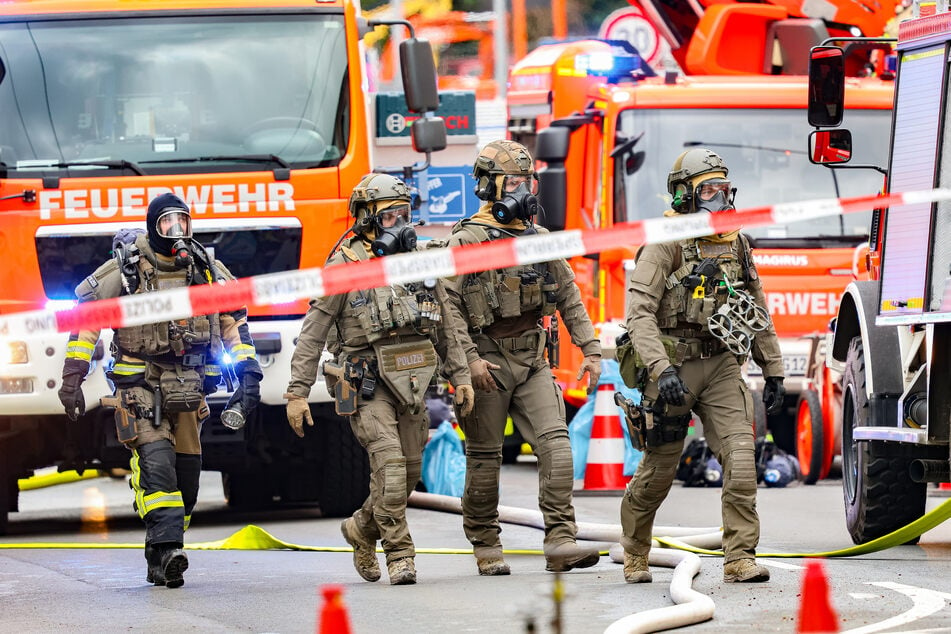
<point x="407" y="310"/>
<point x="168" y="341"/>
<point x="682" y="308"/>
<point x="510" y="292"/>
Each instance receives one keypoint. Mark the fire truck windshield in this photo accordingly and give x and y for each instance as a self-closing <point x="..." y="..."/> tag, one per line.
<point x="766" y="154"/>
<point x="187" y="94"/>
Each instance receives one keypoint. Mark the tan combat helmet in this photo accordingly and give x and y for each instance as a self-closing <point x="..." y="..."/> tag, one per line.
<point x="497" y="160"/>
<point x="682" y="178"/>
<point x="374" y="193"/>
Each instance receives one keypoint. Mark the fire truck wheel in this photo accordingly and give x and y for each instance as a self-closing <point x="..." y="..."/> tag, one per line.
<point x="880" y="496"/>
<point x="810" y="436"/>
<point x="345" y="482"/>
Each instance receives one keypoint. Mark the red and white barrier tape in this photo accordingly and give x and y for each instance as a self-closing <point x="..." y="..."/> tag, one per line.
<point x="288" y="286"/>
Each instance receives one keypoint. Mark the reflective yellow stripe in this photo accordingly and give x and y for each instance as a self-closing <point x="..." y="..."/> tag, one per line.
<point x="188" y="520"/>
<point x="79" y="350"/>
<point x="128" y="368"/>
<point x="146" y="503"/>
<point x="162" y="499"/>
<point x="212" y="370"/>
<point x="136" y="483"/>
<point x="241" y="352"/>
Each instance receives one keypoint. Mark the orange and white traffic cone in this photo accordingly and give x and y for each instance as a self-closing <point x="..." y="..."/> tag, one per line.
<point x="604" y="472"/>
<point x="816" y="613"/>
<point x="333" y="618"/>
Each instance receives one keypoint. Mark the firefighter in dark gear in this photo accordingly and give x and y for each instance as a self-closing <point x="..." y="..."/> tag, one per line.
<point x="386" y="344"/>
<point x="504" y="309"/>
<point x="161" y="374"/>
<point x="696" y="310"/>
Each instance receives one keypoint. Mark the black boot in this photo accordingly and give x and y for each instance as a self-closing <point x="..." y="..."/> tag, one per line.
<point x="154" y="575"/>
<point x="173" y="563"/>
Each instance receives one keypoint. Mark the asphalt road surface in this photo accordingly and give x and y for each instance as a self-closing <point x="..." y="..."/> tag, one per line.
<point x="49" y="587"/>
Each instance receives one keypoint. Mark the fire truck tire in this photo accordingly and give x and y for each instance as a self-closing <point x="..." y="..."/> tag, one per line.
<point x="345" y="481"/>
<point x="810" y="436"/>
<point x="760" y="421"/>
<point x="879" y="495"/>
<point x="247" y="490"/>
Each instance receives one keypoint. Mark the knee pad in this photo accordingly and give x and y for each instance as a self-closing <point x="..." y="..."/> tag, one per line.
<point x="739" y="470"/>
<point x="394" y="486"/>
<point x="554" y="456"/>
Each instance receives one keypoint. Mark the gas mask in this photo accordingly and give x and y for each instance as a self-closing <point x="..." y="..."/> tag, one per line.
<point x="398" y="238"/>
<point x="174" y="225"/>
<point x="518" y="204"/>
<point x="714" y="195"/>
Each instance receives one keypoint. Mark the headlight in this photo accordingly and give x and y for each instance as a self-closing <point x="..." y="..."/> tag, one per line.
<point x="13" y="353"/>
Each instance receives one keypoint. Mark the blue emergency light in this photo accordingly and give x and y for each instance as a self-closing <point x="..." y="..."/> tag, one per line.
<point x="622" y="62"/>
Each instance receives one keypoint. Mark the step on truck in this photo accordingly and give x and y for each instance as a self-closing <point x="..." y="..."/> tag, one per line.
<point x="892" y="334"/>
<point x="256" y="113"/>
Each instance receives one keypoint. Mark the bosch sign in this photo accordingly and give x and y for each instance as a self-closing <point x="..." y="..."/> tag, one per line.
<point x="457" y="108"/>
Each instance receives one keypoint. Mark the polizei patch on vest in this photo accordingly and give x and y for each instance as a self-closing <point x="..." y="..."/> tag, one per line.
<point x="410" y="359"/>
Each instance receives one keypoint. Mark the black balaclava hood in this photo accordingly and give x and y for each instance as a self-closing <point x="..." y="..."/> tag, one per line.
<point x="156" y="207"/>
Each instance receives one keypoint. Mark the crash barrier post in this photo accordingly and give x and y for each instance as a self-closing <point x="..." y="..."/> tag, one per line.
<point x="604" y="472"/>
<point x="816" y="613"/>
<point x="333" y="618"/>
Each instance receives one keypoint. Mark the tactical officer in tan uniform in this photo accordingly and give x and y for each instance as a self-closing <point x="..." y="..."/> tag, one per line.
<point x="162" y="372"/>
<point x="503" y="309"/>
<point x="383" y="340"/>
<point x="696" y="309"/>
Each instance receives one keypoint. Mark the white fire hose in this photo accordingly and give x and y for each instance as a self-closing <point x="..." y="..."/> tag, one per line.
<point x="689" y="605"/>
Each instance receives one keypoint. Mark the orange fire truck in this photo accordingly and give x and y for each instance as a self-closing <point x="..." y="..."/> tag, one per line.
<point x="609" y="127"/>
<point x="255" y="112"/>
<point x="891" y="342"/>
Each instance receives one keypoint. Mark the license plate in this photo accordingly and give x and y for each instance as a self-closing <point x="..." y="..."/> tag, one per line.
<point x="793" y="365"/>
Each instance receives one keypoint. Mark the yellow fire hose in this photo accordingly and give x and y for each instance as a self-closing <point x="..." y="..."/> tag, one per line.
<point x="51" y="479"/>
<point x="253" y="537"/>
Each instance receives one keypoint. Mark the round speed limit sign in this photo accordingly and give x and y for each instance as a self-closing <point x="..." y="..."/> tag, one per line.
<point x="631" y="25"/>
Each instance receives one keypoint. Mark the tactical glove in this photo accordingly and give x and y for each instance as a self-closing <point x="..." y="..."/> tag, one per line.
<point x="71" y="392"/>
<point x="481" y="378"/>
<point x="592" y="365"/>
<point x="464" y="399"/>
<point x="210" y="382"/>
<point x="773" y="393"/>
<point x="671" y="386"/>
<point x="297" y="412"/>
<point x="249" y="376"/>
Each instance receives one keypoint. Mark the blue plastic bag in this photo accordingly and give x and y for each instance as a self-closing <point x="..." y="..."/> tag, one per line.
<point x="444" y="462"/>
<point x="579" y="429"/>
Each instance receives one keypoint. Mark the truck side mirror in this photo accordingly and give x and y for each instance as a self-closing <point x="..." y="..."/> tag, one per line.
<point x="428" y="134"/>
<point x="551" y="146"/>
<point x="552" y="191"/>
<point x="830" y="147"/>
<point x="419" y="75"/>
<point x="826" y="86"/>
